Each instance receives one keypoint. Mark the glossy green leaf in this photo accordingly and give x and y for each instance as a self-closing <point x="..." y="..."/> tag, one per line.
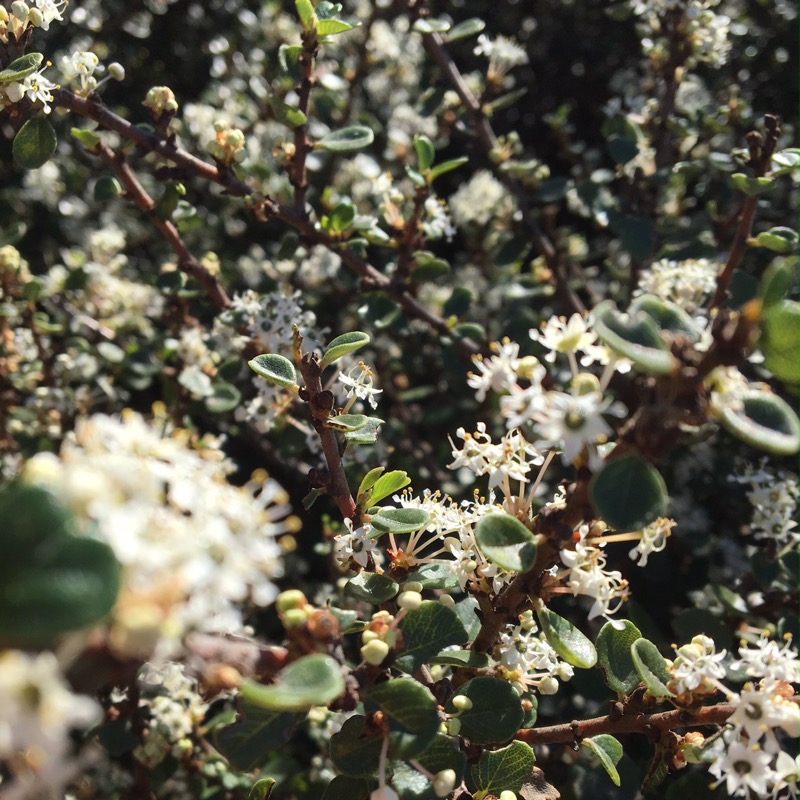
<point x="347" y="423"/>
<point x="609" y="751"/>
<point x="447" y="166"/>
<point x="628" y="493"/>
<point x="566" y="639"/>
<point x="308" y="17"/>
<point x="275" y="368"/>
<point x="313" y="680"/>
<point x="366" y="435"/>
<point x="461" y="658"/>
<point x="775" y="283"/>
<point x="367" y="482"/>
<point x="388" y="484"/>
<point x="371" y="588"/>
<point x="342" y="345"/>
<point x="344" y="787"/>
<point x="34" y="143"/>
<point x="411" y="711"/>
<point x="89" y="139"/>
<point x="262" y="789"/>
<point x="468" y="610"/>
<point x="51" y="581"/>
<point x="331" y="27"/>
<point x="342" y="216"/>
<point x="752" y="187"/>
<point x="614" y="655"/>
<point x="503" y="770"/>
<point x="107" y="188"/>
<point x="667" y="315"/>
<point x="765" y="421"/>
<point x="435" y="576"/>
<point x="651" y="667"/>
<point x="496" y="713"/>
<point x="256" y="733"/>
<point x="398" y="520"/>
<point x="780" y="340"/>
<point x="634" y="336"/>
<point x="346" y="140"/>
<point x="469" y="27"/>
<point x="505" y="541"/>
<point x="427" y="630"/>
<point x="425" y="152"/>
<point x="354" y="750"/>
<point x="779" y="240"/>
<point x="21" y="67"/>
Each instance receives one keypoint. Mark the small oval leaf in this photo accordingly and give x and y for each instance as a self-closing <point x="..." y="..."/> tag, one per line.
<point x="651" y="666"/>
<point x="628" y="493"/>
<point x="388" y="484"/>
<point x="371" y="588"/>
<point x="276" y="369"/>
<point x="314" y="680"/>
<point x="398" y="520"/>
<point x="342" y="345"/>
<point x="504" y="770"/>
<point x="347" y="423"/>
<point x="765" y="421"/>
<point x="614" y="655"/>
<point x="505" y="541"/>
<point x="346" y="140"/>
<point x="496" y="713"/>
<point x="609" y="751"/>
<point x="427" y="630"/>
<point x="34" y="143"/>
<point x="469" y="27"/>
<point x="21" y="67"/>
<point x="566" y="639"/>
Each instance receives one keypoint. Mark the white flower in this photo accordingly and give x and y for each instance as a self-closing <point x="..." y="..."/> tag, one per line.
<point x="744" y="769"/>
<point x="770" y="660"/>
<point x="498" y="372"/>
<point x="686" y="283"/>
<point x="355" y="544"/>
<point x="359" y="383"/>
<point x="437" y="223"/>
<point x="697" y="667"/>
<point x="654" y="540"/>
<point x="478" y="200"/>
<point x="559" y="335"/>
<point x="503" y="53"/>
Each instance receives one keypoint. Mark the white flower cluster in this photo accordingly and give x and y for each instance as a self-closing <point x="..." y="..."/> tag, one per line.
<point x="754" y="762"/>
<point x="686" y="283"/>
<point x="527" y="659"/>
<point x="37" y="713"/>
<point x="479" y="200"/>
<point x="503" y="53"/>
<point x="773" y="496"/>
<point x="194" y="548"/>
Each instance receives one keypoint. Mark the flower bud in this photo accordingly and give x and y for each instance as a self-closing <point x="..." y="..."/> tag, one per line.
<point x="462" y="703"/>
<point x="375" y="652"/>
<point x="294" y="618"/>
<point x="454" y="726"/>
<point x="409" y="600"/>
<point x="35" y="17"/>
<point x="368" y="636"/>
<point x="291" y="598"/>
<point x="548" y="685"/>
<point x="116" y="71"/>
<point x="412" y="586"/>
<point x="444" y="782"/>
<point x="507" y="794"/>
<point x="20" y="10"/>
<point x="585" y="383"/>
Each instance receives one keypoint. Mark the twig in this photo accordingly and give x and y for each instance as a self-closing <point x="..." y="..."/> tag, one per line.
<point x="434" y="44"/>
<point x="302" y="144"/>
<point x="136" y="192"/>
<point x="644" y="724"/>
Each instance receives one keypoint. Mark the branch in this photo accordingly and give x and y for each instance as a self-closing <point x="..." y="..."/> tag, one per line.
<point x="434" y="44"/>
<point x="302" y="145"/>
<point x="645" y="724"/>
<point x="186" y="261"/>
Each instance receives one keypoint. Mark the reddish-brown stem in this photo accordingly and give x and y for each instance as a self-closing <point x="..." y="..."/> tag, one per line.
<point x="434" y="44"/>
<point x="302" y="145"/>
<point x="186" y="261"/>
<point x="644" y="724"/>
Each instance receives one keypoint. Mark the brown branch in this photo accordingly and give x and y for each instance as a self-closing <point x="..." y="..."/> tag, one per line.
<point x="645" y="724"/>
<point x="302" y="144"/>
<point x="761" y="152"/>
<point x="434" y="44"/>
<point x="136" y="192"/>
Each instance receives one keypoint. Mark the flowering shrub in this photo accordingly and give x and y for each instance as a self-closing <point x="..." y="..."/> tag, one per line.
<point x="381" y="419"/>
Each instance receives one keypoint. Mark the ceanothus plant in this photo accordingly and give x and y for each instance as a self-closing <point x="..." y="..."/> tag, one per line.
<point x="529" y="528"/>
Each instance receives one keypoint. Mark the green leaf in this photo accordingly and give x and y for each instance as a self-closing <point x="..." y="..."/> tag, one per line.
<point x="398" y="520"/>
<point x="308" y="17"/>
<point x="447" y="166"/>
<point x="651" y="667"/>
<point x="367" y="482"/>
<point x="51" y="581"/>
<point x="614" y="655"/>
<point x="21" y="67"/>
<point x="342" y="216"/>
<point x="347" y="423"/>
<point x="634" y="336"/>
<point x="276" y="369"/>
<point x="431" y="26"/>
<point x="427" y="630"/>
<point x="346" y="140"/>
<point x="354" y="750"/>
<point x="331" y="27"/>
<point x="496" y="713"/>
<point x="609" y="751"/>
<point x="411" y="711"/>
<point x="443" y="753"/>
<point x="107" y="188"/>
<point x="388" y="484"/>
<point x="628" y="493"/>
<point x="262" y="789"/>
<point x="752" y="187"/>
<point x="226" y="397"/>
<point x="371" y="588"/>
<point x="667" y="315"/>
<point x="461" y="658"/>
<point x="780" y="340"/>
<point x="343" y="787"/>
<point x="505" y="541"/>
<point x="779" y="240"/>
<point x="469" y="27"/>
<point x="468" y="612"/>
<point x="248" y="742"/>
<point x="342" y="345"/>
<point x="775" y="283"/>
<point x="637" y="234"/>
<point x="436" y="576"/>
<point x="287" y="115"/>
<point x="366" y="435"/>
<point x="426" y="153"/>
<point x="566" y="639"/>
<point x="765" y="421"/>
<point x="194" y="380"/>
<point x="34" y="143"/>
<point x="314" y="680"/>
<point x="503" y="770"/>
